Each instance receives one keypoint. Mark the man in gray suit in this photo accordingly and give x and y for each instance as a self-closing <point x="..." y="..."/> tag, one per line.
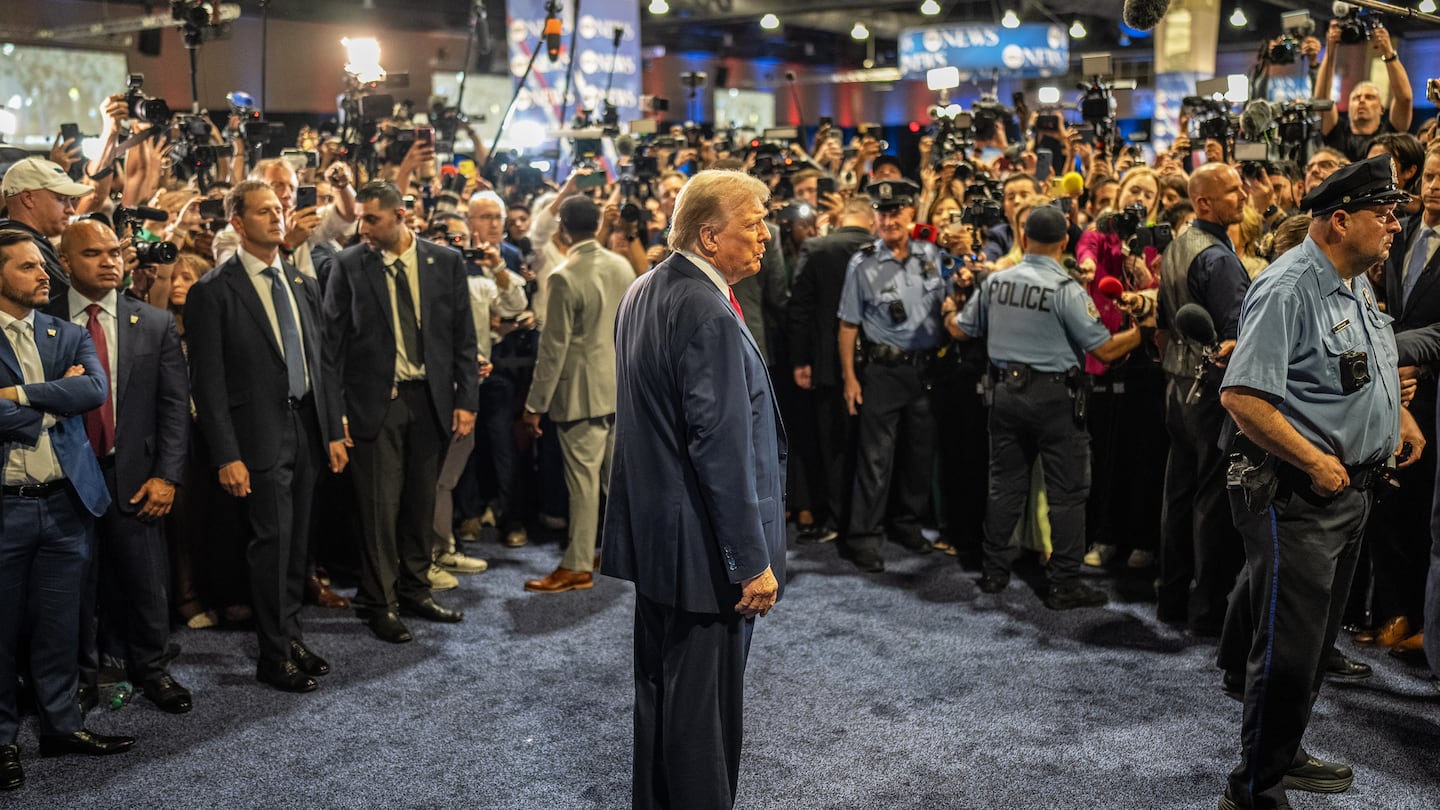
<point x="575" y="381"/>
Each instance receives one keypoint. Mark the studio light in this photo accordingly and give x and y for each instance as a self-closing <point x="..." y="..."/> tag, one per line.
<point x="860" y="32"/>
<point x="769" y="22"/>
<point x="362" y="59"/>
<point x="1011" y="19"/>
<point x="1427" y="6"/>
<point x="929" y="8"/>
<point x="1077" y="30"/>
<point x="658" y="7"/>
<point x="1238" y="19"/>
<point x="1049" y="95"/>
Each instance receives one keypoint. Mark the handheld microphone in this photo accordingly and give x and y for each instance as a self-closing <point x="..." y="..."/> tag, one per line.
<point x="1143" y="15"/>
<point x="552" y="33"/>
<point x="1195" y="324"/>
<point x="1072" y="183"/>
<point x="1110" y="287"/>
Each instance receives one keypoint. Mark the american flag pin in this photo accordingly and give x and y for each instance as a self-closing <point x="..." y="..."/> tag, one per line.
<point x="134" y="319"/>
<point x="50" y="332"/>
<point x="297" y="279"/>
<point x="429" y="259"/>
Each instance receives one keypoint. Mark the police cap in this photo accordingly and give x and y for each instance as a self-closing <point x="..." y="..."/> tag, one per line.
<point x="888" y="195"/>
<point x="1367" y="182"/>
<point x="1046" y="225"/>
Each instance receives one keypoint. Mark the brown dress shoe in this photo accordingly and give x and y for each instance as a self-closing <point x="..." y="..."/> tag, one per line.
<point x="1392" y="632"/>
<point x="320" y="594"/>
<point x="561" y="579"/>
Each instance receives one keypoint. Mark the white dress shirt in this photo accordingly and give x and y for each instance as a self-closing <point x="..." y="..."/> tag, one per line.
<point x="710" y="272"/>
<point x="38" y="464"/>
<point x="406" y="367"/>
<point x="77" y="304"/>
<point x="255" y="268"/>
<point x="333" y="227"/>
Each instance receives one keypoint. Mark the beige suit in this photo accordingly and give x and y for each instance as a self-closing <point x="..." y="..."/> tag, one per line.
<point x="575" y="381"/>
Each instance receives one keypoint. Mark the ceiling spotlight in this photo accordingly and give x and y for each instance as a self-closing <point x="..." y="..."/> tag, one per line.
<point x="1238" y="19"/>
<point x="1077" y="30"/>
<point x="769" y="22"/>
<point x="658" y="7"/>
<point x="1010" y="20"/>
<point x="929" y="8"/>
<point x="1427" y="6"/>
<point x="860" y="32"/>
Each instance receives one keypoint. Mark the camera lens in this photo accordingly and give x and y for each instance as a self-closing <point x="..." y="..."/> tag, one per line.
<point x="156" y="252"/>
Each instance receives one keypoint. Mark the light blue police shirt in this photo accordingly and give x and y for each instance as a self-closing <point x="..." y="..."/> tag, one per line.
<point x="1298" y="319"/>
<point x="875" y="278"/>
<point x="1036" y="314"/>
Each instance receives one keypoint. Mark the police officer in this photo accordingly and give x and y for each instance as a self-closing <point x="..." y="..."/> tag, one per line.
<point x="1200" y="552"/>
<point x="1039" y="322"/>
<point x="1314" y="390"/>
<point x="890" y="325"/>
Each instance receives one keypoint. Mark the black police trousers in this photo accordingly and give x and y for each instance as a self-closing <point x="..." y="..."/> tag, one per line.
<point x="1026" y="423"/>
<point x="1300" y="554"/>
<point x="895" y="456"/>
<point x="1200" y="551"/>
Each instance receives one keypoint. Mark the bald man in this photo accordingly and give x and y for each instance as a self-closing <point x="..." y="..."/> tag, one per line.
<point x="139" y="436"/>
<point x="1200" y="551"/>
<point x="1365" y="117"/>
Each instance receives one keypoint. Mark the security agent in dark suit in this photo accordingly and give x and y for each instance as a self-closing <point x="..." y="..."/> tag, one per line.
<point x="696" y="516"/>
<point x="399" y="331"/>
<point x="266" y="405"/>
<point x="52" y="491"/>
<point x="813" y="326"/>
<point x="1399" y="530"/>
<point x="140" y="436"/>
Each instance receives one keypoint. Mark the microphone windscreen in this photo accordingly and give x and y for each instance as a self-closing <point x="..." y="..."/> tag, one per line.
<point x="1194" y="323"/>
<point x="1340" y="9"/>
<point x="1110" y="287"/>
<point x="448" y="171"/>
<point x="1072" y="183"/>
<point x="1143" y="15"/>
<point x="1256" y="118"/>
<point x="624" y="145"/>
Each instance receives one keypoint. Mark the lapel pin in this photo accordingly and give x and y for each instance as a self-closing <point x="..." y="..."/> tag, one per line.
<point x="50" y="332"/>
<point x="429" y="259"/>
<point x="297" y="279"/>
<point x="134" y="319"/>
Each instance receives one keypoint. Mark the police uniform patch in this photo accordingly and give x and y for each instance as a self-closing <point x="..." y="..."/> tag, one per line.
<point x="1090" y="309"/>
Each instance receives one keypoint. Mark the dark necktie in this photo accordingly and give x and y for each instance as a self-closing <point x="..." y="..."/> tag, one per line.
<point x="289" y="335"/>
<point x="734" y="302"/>
<point x="1418" y="257"/>
<point x="405" y="310"/>
<point x="100" y="422"/>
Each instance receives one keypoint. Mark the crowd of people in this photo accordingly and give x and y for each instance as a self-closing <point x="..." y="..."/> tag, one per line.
<point x="359" y="370"/>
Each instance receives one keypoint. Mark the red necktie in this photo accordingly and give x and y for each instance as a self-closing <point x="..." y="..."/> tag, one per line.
<point x="100" y="423"/>
<point x="734" y="303"/>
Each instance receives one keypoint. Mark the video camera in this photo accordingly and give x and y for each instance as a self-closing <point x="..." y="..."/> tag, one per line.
<point x="954" y="135"/>
<point x="129" y="221"/>
<point x="1097" y="105"/>
<point x="988" y="114"/>
<point x="1127" y="224"/>
<point x="1356" y="23"/>
<point x="1296" y="25"/>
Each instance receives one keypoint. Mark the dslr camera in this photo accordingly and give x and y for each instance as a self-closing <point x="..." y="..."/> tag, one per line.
<point x="1356" y="23"/>
<point x="129" y="221"/>
<point x="147" y="109"/>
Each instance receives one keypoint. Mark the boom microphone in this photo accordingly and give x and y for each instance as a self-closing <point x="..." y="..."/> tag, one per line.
<point x="1143" y="15"/>
<point x="552" y="33"/>
<point x="1256" y="119"/>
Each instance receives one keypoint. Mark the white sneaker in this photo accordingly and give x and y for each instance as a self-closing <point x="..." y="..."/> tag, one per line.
<point x="442" y="580"/>
<point x="458" y="563"/>
<point x="1099" y="554"/>
<point x="1140" y="558"/>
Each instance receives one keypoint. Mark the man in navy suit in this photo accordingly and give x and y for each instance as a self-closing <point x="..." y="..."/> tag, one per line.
<point x="399" y="331"/>
<point x="52" y="492"/>
<point x="696" y="516"/>
<point x="265" y="404"/>
<point x="140" y="435"/>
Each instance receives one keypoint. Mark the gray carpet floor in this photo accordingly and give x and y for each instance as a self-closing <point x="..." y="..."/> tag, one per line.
<point x="907" y="689"/>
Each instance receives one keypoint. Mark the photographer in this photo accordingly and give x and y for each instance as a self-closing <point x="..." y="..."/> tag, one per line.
<point x="1364" y="118"/>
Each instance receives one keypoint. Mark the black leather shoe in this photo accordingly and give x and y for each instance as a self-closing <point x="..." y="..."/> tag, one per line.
<point x="1233" y="686"/>
<point x="867" y="560"/>
<point x="430" y="610"/>
<point x="12" y="775"/>
<point x="917" y="545"/>
<point x="1318" y="776"/>
<point x="996" y="584"/>
<point x="163" y="691"/>
<point x="307" y="661"/>
<point x="1342" y="669"/>
<point x="83" y="742"/>
<point x="1227" y="803"/>
<point x="88" y="697"/>
<point x="1075" y="595"/>
<point x="286" y="677"/>
<point x="387" y="627"/>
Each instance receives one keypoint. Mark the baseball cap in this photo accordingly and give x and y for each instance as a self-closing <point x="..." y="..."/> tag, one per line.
<point x="33" y="173"/>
